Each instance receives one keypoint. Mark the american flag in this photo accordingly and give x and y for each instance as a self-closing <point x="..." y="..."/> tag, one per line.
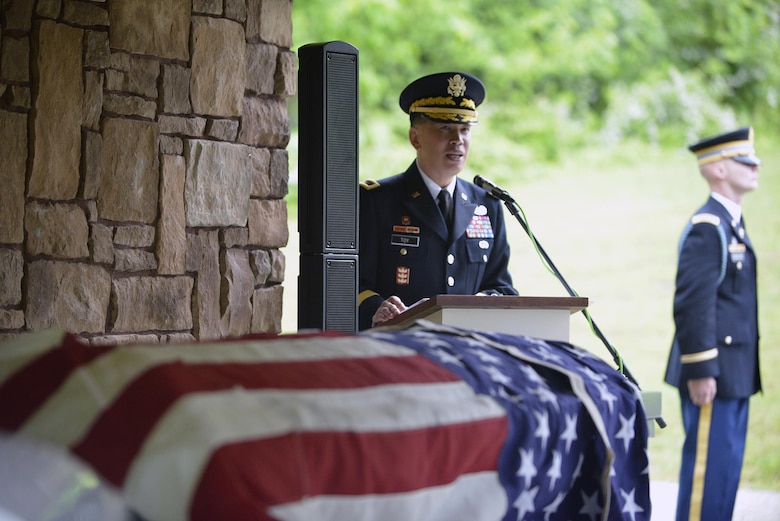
<point x="429" y="422"/>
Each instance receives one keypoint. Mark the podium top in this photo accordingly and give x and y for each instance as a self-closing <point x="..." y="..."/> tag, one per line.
<point x="438" y="302"/>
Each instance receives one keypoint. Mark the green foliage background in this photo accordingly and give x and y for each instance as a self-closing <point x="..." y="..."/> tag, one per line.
<point x="563" y="74"/>
<point x="590" y="104"/>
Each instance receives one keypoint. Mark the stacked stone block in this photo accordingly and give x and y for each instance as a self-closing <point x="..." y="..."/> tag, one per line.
<point x="143" y="167"/>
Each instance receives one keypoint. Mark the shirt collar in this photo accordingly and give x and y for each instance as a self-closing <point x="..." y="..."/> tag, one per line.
<point x="733" y="208"/>
<point x="433" y="187"/>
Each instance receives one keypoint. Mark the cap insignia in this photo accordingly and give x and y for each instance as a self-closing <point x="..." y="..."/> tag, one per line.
<point x="456" y="86"/>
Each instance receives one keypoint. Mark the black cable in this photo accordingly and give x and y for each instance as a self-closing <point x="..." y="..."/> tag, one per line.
<point x="515" y="210"/>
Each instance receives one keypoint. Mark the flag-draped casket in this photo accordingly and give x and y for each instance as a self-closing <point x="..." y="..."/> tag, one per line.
<point x="429" y="422"/>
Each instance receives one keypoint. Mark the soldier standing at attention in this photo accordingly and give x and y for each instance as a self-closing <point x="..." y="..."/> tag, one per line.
<point x="714" y="355"/>
<point x="427" y="232"/>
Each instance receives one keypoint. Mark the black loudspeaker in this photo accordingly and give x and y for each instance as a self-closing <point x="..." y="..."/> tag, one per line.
<point x="328" y="186"/>
<point x="328" y="148"/>
<point x="327" y="292"/>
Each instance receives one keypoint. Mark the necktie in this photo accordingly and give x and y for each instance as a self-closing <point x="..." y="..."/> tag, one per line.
<point x="445" y="205"/>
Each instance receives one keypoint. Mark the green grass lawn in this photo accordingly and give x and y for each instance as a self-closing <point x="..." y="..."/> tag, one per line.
<point x="611" y="226"/>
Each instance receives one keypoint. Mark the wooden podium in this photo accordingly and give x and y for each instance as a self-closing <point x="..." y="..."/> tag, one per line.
<point x="540" y="317"/>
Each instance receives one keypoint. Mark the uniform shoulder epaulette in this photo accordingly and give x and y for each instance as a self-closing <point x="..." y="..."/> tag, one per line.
<point x="715" y="221"/>
<point x="708" y="218"/>
<point x="369" y="184"/>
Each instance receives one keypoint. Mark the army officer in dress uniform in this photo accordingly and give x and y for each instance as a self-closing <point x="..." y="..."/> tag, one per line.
<point x="427" y="232"/>
<point x="714" y="355"/>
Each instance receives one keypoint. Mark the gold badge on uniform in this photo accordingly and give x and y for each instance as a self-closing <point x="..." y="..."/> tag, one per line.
<point x="402" y="275"/>
<point x="737" y="251"/>
<point x="405" y="220"/>
<point x="456" y="86"/>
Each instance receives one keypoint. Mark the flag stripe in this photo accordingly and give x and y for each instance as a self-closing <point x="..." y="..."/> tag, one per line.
<point x="118" y="433"/>
<point x="39" y="379"/>
<point x="18" y="351"/>
<point x="68" y="412"/>
<point x="476" y="497"/>
<point x="179" y="448"/>
<point x="299" y="465"/>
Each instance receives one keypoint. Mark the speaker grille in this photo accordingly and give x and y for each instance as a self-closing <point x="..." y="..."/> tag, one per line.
<point x="340" y="294"/>
<point x="341" y="151"/>
<point x="327" y="292"/>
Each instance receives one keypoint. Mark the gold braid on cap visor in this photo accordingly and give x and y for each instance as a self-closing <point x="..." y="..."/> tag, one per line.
<point x="469" y="113"/>
<point x="724" y="151"/>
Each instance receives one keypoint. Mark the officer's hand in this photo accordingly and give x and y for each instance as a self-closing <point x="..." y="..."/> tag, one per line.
<point x="702" y="390"/>
<point x="392" y="307"/>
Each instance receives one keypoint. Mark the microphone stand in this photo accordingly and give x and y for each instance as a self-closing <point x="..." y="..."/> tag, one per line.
<point x="512" y="206"/>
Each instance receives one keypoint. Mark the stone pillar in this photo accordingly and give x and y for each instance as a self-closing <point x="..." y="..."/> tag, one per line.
<point x="144" y="167"/>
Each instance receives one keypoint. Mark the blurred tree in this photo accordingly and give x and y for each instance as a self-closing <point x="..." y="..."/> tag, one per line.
<point x="734" y="44"/>
<point x="560" y="70"/>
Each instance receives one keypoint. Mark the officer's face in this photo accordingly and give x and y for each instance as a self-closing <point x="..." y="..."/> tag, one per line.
<point x="442" y="148"/>
<point x="740" y="177"/>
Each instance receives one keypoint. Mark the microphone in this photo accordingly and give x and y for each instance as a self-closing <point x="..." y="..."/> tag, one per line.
<point x="493" y="189"/>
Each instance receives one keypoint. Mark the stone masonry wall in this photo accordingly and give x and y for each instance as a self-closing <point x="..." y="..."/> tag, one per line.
<point x="143" y="167"/>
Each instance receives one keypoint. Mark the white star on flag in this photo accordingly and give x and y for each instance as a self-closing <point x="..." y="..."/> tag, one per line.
<point x="446" y="357"/>
<point x="590" y="507"/>
<point x="630" y="506"/>
<point x="543" y="428"/>
<point x="626" y="430"/>
<point x="525" y="502"/>
<point x="555" y="469"/>
<point x="606" y="396"/>
<point x="570" y="433"/>
<point x="527" y="468"/>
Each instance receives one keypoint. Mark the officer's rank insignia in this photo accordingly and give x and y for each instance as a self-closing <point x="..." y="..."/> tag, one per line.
<point x="479" y="227"/>
<point x="402" y="275"/>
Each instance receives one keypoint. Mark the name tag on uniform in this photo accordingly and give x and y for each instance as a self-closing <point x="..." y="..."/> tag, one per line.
<point x="405" y="240"/>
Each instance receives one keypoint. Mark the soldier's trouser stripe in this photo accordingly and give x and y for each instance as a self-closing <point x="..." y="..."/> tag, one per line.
<point x="700" y="467"/>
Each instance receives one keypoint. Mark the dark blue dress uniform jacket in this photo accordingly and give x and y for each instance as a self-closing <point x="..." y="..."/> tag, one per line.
<point x="716" y="320"/>
<point x="405" y="249"/>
